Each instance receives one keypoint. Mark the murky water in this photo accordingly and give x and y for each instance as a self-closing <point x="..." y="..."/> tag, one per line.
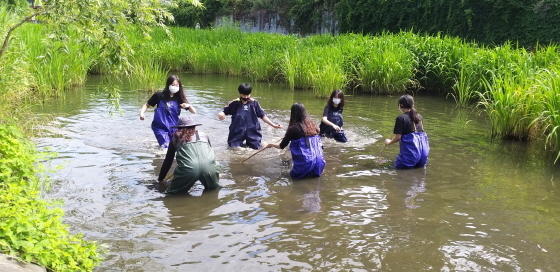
<point x="477" y="206"/>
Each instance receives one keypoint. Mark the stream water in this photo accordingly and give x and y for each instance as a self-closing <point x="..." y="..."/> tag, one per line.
<point x="479" y="205"/>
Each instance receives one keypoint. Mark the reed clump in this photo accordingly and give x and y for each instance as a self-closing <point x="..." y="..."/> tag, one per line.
<point x="514" y="86"/>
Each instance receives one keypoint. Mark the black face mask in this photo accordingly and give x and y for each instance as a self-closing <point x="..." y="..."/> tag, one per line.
<point x="244" y="98"/>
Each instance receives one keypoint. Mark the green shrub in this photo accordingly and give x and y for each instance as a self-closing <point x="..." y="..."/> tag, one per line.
<point x="31" y="228"/>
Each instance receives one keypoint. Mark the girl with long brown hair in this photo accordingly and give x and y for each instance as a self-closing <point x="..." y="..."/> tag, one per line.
<point x="305" y="144"/>
<point x="169" y="103"/>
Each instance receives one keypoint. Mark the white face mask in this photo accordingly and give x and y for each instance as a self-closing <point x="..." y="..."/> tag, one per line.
<point x="173" y="89"/>
<point x="336" y="100"/>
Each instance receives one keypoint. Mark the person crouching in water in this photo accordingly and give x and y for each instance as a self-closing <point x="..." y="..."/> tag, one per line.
<point x="195" y="159"/>
<point x="331" y="123"/>
<point x="305" y="144"/>
<point x="409" y="132"/>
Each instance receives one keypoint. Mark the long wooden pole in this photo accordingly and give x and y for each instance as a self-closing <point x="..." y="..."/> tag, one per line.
<point x="384" y="145"/>
<point x="258" y="151"/>
<point x="169" y="176"/>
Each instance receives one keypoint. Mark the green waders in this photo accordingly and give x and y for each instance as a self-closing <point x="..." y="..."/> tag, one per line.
<point x="195" y="161"/>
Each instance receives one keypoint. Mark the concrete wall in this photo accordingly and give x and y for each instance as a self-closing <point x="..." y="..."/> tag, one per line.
<point x="265" y="21"/>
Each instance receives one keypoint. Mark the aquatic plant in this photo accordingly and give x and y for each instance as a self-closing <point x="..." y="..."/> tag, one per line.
<point x="383" y="66"/>
<point x="549" y="120"/>
<point x="147" y="74"/>
<point x="437" y="59"/>
<point x="511" y="102"/>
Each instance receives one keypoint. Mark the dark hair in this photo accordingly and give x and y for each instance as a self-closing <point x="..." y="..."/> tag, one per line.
<point x="300" y="116"/>
<point x="407" y="102"/>
<point x="245" y="88"/>
<point x="340" y="95"/>
<point x="181" y="93"/>
<point x="183" y="135"/>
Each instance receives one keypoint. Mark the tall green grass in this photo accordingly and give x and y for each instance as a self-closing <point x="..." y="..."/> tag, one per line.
<point x="549" y="120"/>
<point x="382" y="65"/>
<point x="512" y="103"/>
<point x="506" y="81"/>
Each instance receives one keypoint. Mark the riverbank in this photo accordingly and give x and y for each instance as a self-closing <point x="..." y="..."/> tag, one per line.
<point x="32" y="228"/>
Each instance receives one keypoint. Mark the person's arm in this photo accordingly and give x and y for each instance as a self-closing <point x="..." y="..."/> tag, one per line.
<point x="273" y="145"/>
<point x="293" y="133"/>
<point x="169" y="157"/>
<point x="154" y="100"/>
<point x="398" y="130"/>
<point x="325" y="119"/>
<point x="188" y="107"/>
<point x="327" y="122"/>
<point x="266" y="120"/>
<point x="228" y="110"/>
<point x="394" y="140"/>
<point x="143" y="110"/>
<point x="261" y="114"/>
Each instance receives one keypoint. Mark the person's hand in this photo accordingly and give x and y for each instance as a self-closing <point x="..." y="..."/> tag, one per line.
<point x="185" y="106"/>
<point x="221" y="115"/>
<point x="337" y="128"/>
<point x="142" y="116"/>
<point x="269" y="146"/>
<point x="387" y="141"/>
<point x="277" y="126"/>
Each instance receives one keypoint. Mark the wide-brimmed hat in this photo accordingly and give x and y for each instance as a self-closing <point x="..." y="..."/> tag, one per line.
<point x="186" y="121"/>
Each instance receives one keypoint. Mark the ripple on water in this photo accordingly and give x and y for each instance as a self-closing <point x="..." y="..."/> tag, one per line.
<point x="361" y="215"/>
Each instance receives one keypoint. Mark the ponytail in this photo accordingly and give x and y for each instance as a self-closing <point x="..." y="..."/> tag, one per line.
<point x="406" y="101"/>
<point x="413" y="113"/>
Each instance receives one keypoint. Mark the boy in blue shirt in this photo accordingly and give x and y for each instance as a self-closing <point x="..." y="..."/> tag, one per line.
<point x="245" y="124"/>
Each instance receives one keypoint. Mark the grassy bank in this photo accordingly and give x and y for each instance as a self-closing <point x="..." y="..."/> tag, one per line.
<point x="31" y="227"/>
<point x="513" y="85"/>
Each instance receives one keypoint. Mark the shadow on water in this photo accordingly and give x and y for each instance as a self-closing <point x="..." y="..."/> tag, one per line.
<point x="479" y="205"/>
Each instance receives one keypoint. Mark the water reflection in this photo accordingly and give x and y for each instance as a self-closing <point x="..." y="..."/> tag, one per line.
<point x="407" y="186"/>
<point x="193" y="213"/>
<point x="311" y="199"/>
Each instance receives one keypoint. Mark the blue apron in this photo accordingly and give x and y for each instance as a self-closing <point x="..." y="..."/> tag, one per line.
<point x="307" y="157"/>
<point x="335" y="117"/>
<point x="414" y="150"/>
<point x="245" y="126"/>
<point x="164" y="119"/>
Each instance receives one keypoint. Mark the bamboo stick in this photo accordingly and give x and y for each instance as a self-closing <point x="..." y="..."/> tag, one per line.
<point x="258" y="152"/>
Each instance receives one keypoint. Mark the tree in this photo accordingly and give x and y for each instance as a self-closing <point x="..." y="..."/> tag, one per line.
<point x="94" y="23"/>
